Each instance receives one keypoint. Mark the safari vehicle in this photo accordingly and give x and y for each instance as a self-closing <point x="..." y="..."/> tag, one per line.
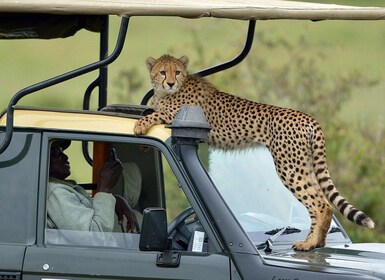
<point x="221" y="234"/>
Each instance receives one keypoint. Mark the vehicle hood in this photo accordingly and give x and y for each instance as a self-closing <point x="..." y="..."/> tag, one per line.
<point x="361" y="258"/>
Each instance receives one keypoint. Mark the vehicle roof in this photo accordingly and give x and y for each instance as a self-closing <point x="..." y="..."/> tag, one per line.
<point x="232" y="9"/>
<point x="80" y="120"/>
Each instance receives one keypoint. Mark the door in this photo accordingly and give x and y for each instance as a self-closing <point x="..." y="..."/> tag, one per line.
<point x="70" y="262"/>
<point x="86" y="254"/>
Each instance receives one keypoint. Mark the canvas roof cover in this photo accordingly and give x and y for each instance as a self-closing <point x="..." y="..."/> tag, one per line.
<point x="46" y="19"/>
<point x="234" y="9"/>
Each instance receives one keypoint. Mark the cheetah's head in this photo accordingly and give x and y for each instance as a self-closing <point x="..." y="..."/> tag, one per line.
<point x="167" y="73"/>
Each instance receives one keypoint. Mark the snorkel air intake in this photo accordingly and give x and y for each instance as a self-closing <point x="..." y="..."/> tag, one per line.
<point x="190" y="128"/>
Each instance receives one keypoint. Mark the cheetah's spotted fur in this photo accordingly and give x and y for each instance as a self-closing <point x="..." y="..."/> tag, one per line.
<point x="294" y="139"/>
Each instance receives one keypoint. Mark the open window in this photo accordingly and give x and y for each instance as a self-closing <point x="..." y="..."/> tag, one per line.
<point x="146" y="181"/>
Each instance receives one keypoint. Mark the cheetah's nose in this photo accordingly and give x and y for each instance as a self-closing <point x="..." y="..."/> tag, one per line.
<point x="171" y="84"/>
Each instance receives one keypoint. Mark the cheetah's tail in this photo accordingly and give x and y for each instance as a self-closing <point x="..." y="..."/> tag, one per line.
<point x="331" y="193"/>
<point x="349" y="211"/>
<point x="340" y="203"/>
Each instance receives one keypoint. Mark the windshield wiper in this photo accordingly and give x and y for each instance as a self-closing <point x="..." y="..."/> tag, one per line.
<point x="334" y="229"/>
<point x="287" y="230"/>
<point x="267" y="246"/>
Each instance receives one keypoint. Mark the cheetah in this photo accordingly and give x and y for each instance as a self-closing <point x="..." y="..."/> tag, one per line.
<point x="294" y="139"/>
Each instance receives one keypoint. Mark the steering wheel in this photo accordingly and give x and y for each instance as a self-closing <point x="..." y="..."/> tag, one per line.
<point x="179" y="220"/>
<point x="178" y="230"/>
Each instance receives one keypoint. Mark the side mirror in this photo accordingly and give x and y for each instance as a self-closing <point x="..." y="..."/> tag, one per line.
<point x="153" y="236"/>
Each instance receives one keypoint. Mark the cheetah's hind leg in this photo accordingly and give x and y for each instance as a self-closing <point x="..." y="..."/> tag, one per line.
<point x="304" y="186"/>
<point x="320" y="223"/>
<point x="308" y="192"/>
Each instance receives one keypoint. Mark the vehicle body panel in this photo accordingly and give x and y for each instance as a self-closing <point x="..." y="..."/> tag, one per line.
<point x="107" y="263"/>
<point x="360" y="258"/>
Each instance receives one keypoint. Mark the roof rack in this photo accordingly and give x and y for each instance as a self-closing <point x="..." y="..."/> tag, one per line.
<point x="128" y="109"/>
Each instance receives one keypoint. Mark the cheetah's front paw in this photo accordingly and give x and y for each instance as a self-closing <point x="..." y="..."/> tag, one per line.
<point x="141" y="127"/>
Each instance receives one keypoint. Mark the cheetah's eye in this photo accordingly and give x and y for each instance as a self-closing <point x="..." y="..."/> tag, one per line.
<point x="177" y="73"/>
<point x="163" y="73"/>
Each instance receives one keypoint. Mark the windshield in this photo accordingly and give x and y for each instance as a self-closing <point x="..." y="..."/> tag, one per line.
<point x="248" y="182"/>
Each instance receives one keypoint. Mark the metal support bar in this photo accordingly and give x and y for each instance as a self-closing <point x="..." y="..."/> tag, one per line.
<point x="101" y="80"/>
<point x="61" y="78"/>
<point x="223" y="66"/>
<point x="241" y="56"/>
<point x="103" y="71"/>
<point x="88" y="92"/>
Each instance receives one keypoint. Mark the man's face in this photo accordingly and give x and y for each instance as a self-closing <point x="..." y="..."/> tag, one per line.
<point x="59" y="164"/>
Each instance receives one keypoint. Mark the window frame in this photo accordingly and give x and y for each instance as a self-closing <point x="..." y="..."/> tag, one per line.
<point x="164" y="149"/>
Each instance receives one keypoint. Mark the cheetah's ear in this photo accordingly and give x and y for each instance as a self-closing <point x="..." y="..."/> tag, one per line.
<point x="184" y="61"/>
<point x="150" y="62"/>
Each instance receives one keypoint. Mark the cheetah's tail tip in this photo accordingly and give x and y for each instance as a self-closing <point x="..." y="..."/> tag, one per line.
<point x="368" y="223"/>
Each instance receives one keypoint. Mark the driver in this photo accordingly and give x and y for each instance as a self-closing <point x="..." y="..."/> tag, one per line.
<point x="69" y="206"/>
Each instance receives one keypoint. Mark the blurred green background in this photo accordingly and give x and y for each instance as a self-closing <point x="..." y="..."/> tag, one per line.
<point x="332" y="70"/>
